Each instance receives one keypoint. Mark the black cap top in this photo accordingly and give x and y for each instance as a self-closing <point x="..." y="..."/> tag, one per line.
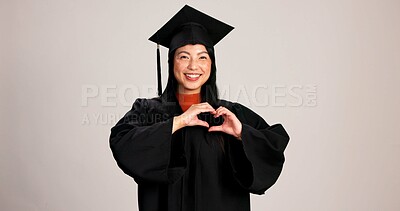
<point x="190" y="26"/>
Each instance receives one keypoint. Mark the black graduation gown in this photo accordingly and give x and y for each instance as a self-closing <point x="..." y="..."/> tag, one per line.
<point x="191" y="170"/>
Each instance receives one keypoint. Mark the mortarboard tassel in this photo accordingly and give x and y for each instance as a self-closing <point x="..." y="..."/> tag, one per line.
<point x="159" y="70"/>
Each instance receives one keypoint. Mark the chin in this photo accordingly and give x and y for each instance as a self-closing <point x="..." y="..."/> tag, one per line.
<point x="191" y="89"/>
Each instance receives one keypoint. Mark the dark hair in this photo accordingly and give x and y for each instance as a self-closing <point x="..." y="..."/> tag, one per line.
<point x="209" y="90"/>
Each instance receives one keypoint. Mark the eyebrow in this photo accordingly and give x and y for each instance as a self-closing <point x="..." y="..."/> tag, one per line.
<point x="189" y="53"/>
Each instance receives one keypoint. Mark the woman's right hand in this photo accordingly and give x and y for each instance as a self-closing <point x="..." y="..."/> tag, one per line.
<point x="189" y="117"/>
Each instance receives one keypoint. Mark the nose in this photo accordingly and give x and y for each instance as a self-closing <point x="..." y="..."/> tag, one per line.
<point x="192" y="65"/>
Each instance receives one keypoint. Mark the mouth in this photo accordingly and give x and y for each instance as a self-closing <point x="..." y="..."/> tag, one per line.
<point x="192" y="76"/>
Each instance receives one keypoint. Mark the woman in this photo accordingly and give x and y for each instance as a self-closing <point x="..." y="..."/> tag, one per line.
<point x="187" y="149"/>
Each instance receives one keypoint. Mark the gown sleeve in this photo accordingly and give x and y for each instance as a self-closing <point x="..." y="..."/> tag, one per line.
<point x="141" y="146"/>
<point x="257" y="160"/>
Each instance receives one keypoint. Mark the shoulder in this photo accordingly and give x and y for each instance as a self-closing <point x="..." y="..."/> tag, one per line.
<point x="155" y="106"/>
<point x="146" y="103"/>
<point x="243" y="113"/>
<point x="227" y="104"/>
<point x="151" y="110"/>
<point x="235" y="107"/>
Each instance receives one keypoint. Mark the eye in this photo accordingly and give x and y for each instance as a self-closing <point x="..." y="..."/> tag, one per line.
<point x="183" y="57"/>
<point x="203" y="57"/>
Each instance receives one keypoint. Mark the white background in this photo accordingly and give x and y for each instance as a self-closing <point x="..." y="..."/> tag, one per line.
<point x="344" y="151"/>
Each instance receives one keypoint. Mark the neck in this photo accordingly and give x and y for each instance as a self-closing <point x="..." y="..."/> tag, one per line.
<point x="183" y="90"/>
<point x="186" y="100"/>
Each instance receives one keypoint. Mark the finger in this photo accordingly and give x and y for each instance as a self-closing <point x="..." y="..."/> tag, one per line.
<point x="221" y="108"/>
<point x="222" y="111"/>
<point x="205" y="103"/>
<point x="215" y="128"/>
<point x="201" y="123"/>
<point x="202" y="105"/>
<point x="218" y="109"/>
<point x="203" y="110"/>
<point x="197" y="109"/>
<point x="226" y="110"/>
<point x="207" y="106"/>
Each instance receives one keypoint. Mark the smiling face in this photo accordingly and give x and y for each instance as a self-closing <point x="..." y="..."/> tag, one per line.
<point x="192" y="67"/>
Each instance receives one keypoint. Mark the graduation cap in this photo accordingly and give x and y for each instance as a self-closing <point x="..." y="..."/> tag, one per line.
<point x="188" y="26"/>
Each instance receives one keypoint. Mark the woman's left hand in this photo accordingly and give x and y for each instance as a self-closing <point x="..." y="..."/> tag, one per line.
<point x="231" y="124"/>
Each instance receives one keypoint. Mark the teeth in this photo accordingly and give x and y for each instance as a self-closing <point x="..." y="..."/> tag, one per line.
<point x="192" y="75"/>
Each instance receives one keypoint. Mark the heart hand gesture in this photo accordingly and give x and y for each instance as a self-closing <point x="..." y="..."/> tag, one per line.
<point x="231" y="125"/>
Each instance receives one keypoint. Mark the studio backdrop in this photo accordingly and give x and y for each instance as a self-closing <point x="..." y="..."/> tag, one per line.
<point x="329" y="71"/>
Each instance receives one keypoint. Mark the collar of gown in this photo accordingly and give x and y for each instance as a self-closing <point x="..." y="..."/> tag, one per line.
<point x="186" y="100"/>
